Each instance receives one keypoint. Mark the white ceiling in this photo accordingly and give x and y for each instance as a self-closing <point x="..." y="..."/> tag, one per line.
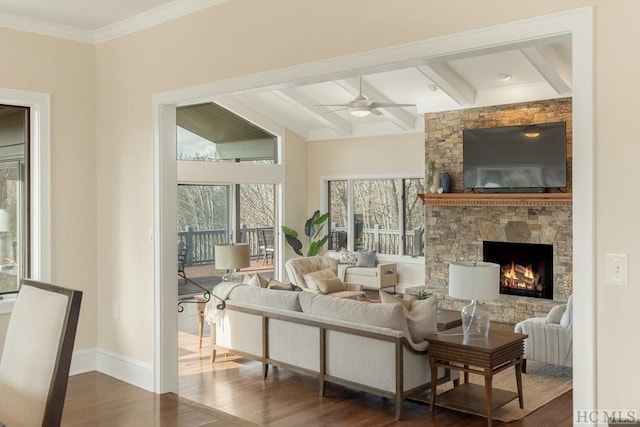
<point x="538" y="71"/>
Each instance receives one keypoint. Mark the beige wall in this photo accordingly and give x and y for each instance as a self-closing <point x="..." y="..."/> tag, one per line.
<point x="108" y="236"/>
<point x="267" y="35"/>
<point x="66" y="70"/>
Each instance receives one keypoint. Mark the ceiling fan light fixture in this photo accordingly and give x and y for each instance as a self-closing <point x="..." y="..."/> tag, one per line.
<point x="360" y="111"/>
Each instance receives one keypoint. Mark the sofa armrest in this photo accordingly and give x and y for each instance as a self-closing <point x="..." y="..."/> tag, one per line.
<point x="352" y="286"/>
<point x="387" y="268"/>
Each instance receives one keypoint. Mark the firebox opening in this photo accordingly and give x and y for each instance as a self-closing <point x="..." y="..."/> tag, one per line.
<point x="526" y="269"/>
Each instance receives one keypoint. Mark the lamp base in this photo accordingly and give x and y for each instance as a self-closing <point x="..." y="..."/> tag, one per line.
<point x="475" y="321"/>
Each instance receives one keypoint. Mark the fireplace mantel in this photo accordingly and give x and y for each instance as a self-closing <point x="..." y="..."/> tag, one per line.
<point x="497" y="199"/>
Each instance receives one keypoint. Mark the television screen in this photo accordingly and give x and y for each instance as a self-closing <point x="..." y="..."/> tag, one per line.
<point x="515" y="158"/>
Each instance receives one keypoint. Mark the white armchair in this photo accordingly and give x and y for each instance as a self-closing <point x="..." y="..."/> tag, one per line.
<point x="318" y="274"/>
<point x="550" y="338"/>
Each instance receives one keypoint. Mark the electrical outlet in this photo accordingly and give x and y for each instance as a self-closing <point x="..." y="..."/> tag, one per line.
<point x="617" y="270"/>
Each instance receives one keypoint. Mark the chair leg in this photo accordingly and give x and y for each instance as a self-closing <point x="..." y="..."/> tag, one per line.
<point x="200" y="322"/>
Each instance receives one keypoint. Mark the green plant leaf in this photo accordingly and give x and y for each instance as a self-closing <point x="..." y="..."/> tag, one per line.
<point x="315" y="247"/>
<point x="295" y="243"/>
<point x="309" y="226"/>
<point x="289" y="231"/>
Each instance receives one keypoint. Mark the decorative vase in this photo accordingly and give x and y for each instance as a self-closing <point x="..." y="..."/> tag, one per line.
<point x="445" y="182"/>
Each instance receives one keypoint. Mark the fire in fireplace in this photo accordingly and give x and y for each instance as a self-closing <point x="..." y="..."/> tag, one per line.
<point x="526" y="269"/>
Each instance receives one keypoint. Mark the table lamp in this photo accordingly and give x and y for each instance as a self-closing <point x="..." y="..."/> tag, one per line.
<point x="474" y="280"/>
<point x="230" y="257"/>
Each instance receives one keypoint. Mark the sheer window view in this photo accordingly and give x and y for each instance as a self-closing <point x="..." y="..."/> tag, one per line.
<point x="209" y="132"/>
<point x="210" y="215"/>
<point x="13" y="197"/>
<point x="388" y="216"/>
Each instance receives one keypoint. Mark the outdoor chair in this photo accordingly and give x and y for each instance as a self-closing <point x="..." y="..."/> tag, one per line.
<point x="265" y="245"/>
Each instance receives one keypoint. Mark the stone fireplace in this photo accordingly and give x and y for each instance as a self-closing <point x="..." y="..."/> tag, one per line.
<point x="457" y="231"/>
<point x="526" y="269"/>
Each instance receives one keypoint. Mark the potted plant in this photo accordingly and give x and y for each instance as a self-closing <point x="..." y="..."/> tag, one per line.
<point x="313" y="228"/>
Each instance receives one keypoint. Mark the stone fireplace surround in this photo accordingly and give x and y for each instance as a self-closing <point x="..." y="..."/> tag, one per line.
<point x="457" y="232"/>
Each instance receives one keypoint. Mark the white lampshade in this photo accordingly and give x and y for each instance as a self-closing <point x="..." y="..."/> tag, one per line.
<point x="232" y="256"/>
<point x="474" y="280"/>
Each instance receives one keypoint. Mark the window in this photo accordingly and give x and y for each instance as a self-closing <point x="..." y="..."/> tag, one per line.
<point x="14" y="196"/>
<point x="383" y="215"/>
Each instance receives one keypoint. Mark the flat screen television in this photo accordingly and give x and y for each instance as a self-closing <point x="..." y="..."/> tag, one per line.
<point x="527" y="158"/>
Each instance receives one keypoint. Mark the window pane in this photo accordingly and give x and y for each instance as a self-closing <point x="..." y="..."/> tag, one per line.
<point x="14" y="196"/>
<point x="203" y="222"/>
<point x="209" y="132"/>
<point x="9" y="252"/>
<point x="377" y="213"/>
<point x="414" y="217"/>
<point x="257" y="216"/>
<point x="338" y="223"/>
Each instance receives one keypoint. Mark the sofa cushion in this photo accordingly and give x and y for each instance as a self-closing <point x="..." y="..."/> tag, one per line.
<point x="387" y="298"/>
<point x="383" y="315"/>
<point x="366" y="259"/>
<point x="329" y="286"/>
<point x="555" y="314"/>
<point x="421" y="314"/>
<point x="255" y="280"/>
<point x="311" y="279"/>
<point x="279" y="286"/>
<point x="421" y="319"/>
<point x="347" y="257"/>
<point x="287" y="300"/>
<point x="567" y="317"/>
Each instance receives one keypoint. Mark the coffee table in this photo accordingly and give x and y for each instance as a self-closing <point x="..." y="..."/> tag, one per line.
<point x="501" y="350"/>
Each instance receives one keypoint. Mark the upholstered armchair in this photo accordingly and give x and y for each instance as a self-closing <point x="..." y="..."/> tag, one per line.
<point x="318" y="274"/>
<point x="550" y="338"/>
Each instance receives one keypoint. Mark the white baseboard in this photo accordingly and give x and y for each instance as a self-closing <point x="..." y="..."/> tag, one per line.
<point x="118" y="366"/>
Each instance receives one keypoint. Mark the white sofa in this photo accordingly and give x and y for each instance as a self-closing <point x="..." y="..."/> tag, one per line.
<point x="550" y="338"/>
<point x="357" y="344"/>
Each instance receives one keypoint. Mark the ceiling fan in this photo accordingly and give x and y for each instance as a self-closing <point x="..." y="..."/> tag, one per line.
<point x="361" y="106"/>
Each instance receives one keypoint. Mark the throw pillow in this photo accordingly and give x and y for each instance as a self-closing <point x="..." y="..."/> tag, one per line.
<point x="329" y="286"/>
<point x="348" y="257"/>
<point x="366" y="259"/>
<point x="567" y="316"/>
<point x="421" y="319"/>
<point x="311" y="279"/>
<point x="555" y="314"/>
<point x="254" y="280"/>
<point x="387" y="298"/>
<point x="279" y="286"/>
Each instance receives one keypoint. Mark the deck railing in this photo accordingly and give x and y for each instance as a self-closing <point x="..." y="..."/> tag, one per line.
<point x="200" y="244"/>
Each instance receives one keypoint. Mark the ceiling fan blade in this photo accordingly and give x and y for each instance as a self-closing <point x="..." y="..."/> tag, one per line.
<point x="376" y="112"/>
<point x="333" y="111"/>
<point x="331" y="105"/>
<point x="389" y="105"/>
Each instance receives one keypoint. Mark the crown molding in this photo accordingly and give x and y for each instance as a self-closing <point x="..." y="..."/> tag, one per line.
<point x="152" y="17"/>
<point x="46" y="28"/>
<point x="130" y="25"/>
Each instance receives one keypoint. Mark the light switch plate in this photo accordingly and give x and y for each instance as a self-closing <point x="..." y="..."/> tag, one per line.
<point x="617" y="270"/>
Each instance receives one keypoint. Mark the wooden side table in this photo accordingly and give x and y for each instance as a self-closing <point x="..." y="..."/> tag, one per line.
<point x="448" y="319"/>
<point x="501" y="350"/>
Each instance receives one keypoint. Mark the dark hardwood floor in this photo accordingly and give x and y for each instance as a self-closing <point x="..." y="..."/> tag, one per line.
<point x="234" y="387"/>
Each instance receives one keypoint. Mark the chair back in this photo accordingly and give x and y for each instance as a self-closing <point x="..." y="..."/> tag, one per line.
<point x="34" y="369"/>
